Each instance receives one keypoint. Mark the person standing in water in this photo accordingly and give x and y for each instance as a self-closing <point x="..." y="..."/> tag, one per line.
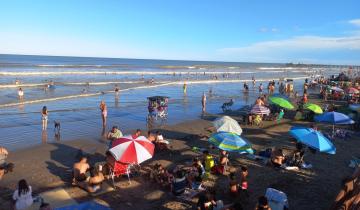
<point x="103" y="110"/>
<point x="184" y="88"/>
<point x="21" y="93"/>
<point x="44" y="117"/>
<point x="203" y="102"/>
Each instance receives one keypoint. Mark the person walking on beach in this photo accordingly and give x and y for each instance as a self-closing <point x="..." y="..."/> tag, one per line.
<point x="261" y="88"/>
<point x="203" y="102"/>
<point x="21" y="93"/>
<point x="44" y="117"/>
<point x="184" y="88"/>
<point x="103" y="110"/>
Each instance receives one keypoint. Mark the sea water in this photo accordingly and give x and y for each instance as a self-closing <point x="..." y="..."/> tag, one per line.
<point x="81" y="83"/>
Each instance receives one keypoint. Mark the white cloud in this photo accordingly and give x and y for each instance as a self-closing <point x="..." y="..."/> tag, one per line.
<point x="265" y="29"/>
<point x="355" y="22"/>
<point x="287" y="50"/>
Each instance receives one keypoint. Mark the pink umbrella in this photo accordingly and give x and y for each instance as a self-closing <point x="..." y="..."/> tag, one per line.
<point x="129" y="150"/>
<point x="258" y="109"/>
<point x="353" y="90"/>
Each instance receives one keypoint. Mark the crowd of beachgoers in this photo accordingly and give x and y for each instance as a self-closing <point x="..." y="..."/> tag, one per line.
<point x="188" y="182"/>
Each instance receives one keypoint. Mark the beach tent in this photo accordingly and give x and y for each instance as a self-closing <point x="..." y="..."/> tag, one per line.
<point x="90" y="205"/>
<point x="313" y="139"/>
<point x="282" y="102"/>
<point x="133" y="151"/>
<point x="227" y="124"/>
<point x="258" y="109"/>
<point x="230" y="142"/>
<point x="313" y="107"/>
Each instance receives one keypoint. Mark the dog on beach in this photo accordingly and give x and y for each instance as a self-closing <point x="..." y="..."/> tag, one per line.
<point x="227" y="105"/>
<point x="57" y="127"/>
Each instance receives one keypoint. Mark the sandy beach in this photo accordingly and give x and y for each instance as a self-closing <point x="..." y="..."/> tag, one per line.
<point x="48" y="166"/>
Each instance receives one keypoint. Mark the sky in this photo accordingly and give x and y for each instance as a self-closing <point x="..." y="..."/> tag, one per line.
<point x="305" y="31"/>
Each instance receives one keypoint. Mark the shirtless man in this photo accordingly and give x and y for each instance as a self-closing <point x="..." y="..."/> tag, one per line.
<point x="79" y="170"/>
<point x="277" y="158"/>
<point x="3" y="155"/>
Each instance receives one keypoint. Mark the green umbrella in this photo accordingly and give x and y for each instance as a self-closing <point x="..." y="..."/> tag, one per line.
<point x="313" y="107"/>
<point x="281" y="102"/>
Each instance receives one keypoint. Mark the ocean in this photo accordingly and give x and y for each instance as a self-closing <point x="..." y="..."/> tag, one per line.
<point x="79" y="84"/>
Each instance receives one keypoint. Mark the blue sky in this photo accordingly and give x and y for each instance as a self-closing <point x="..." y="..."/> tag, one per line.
<point x="309" y="31"/>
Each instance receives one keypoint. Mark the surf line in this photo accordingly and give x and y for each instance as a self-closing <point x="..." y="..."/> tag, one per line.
<point x="79" y="95"/>
<point x="140" y="87"/>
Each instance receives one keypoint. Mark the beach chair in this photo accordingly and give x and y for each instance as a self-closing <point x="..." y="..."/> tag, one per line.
<point x="117" y="169"/>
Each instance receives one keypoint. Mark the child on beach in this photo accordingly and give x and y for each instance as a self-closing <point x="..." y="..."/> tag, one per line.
<point x="23" y="195"/>
<point x="244" y="183"/>
<point x="44" y="117"/>
<point x="103" y="110"/>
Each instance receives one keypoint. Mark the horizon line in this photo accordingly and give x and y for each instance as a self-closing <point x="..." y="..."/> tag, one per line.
<point x="159" y="59"/>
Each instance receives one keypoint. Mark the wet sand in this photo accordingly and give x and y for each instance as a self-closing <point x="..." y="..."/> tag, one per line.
<point x="49" y="166"/>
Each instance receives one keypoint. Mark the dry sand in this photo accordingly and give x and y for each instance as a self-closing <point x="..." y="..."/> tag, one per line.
<point x="48" y="166"/>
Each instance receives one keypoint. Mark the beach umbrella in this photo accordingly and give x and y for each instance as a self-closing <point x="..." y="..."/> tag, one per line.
<point x="230" y="142"/>
<point x="355" y="107"/>
<point x="227" y="124"/>
<point x="85" y="206"/>
<point x="258" y="109"/>
<point x="337" y="89"/>
<point x="313" y="139"/>
<point x="334" y="118"/>
<point x="129" y="150"/>
<point x="313" y="107"/>
<point x="353" y="91"/>
<point x="281" y="102"/>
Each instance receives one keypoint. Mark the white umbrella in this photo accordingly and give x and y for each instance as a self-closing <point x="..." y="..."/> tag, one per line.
<point x="227" y="124"/>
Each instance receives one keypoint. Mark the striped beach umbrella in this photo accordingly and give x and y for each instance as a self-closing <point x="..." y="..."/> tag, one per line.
<point x="313" y="107"/>
<point x="129" y="150"/>
<point x="230" y="142"/>
<point x="282" y="102"/>
<point x="258" y="109"/>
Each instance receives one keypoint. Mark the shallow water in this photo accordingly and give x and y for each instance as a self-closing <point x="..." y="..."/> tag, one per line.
<point x="78" y="112"/>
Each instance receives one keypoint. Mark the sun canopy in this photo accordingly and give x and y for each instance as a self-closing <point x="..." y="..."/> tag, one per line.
<point x="227" y="124"/>
<point x="282" y="102"/>
<point x="230" y="142"/>
<point x="334" y="118"/>
<point x="134" y="151"/>
<point x="313" y="107"/>
<point x="313" y="139"/>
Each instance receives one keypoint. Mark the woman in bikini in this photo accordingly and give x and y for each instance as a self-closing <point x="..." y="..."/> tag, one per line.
<point x="103" y="109"/>
<point x="44" y="117"/>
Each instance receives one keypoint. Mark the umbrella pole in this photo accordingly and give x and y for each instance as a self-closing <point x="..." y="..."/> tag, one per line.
<point x="333" y="132"/>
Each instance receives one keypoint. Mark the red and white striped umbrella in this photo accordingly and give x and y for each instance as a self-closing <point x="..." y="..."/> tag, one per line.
<point x="258" y="109"/>
<point x="353" y="90"/>
<point x="129" y="150"/>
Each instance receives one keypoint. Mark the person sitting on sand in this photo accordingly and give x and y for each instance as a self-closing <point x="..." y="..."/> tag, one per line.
<point x="160" y="175"/>
<point x="136" y="134"/>
<point x="179" y="184"/>
<point x="233" y="185"/>
<point x="4" y="167"/>
<point x="244" y="182"/>
<point x="262" y="204"/>
<point x="160" y="142"/>
<point x="23" y="195"/>
<point x="151" y="137"/>
<point x="277" y="158"/>
<point x="95" y="181"/>
<point x="113" y="134"/>
<point x="79" y="171"/>
<point x="223" y="160"/>
<point x="208" y="161"/>
<point x="196" y="174"/>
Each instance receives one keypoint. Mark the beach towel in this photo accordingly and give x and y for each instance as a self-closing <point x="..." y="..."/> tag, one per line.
<point x="57" y="198"/>
<point x="105" y="188"/>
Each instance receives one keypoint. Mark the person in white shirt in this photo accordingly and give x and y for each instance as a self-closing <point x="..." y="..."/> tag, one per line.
<point x="21" y="93"/>
<point x="23" y="195"/>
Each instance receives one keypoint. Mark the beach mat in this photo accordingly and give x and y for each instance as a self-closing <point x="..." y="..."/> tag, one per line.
<point x="105" y="188"/>
<point x="56" y="198"/>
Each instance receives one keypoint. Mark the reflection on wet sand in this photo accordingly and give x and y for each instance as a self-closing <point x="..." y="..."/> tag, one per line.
<point x="44" y="136"/>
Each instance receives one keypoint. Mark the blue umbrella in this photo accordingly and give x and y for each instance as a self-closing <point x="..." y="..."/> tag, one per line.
<point x="313" y="139"/>
<point x="85" y="206"/>
<point x="334" y="118"/>
<point x="230" y="142"/>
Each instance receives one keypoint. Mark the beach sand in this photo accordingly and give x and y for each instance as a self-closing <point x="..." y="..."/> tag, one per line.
<point x="48" y="166"/>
